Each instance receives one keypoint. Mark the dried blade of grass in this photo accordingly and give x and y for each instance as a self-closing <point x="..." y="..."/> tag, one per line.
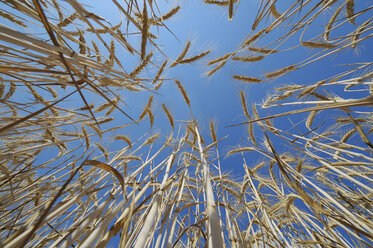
<point x="183" y="92"/>
<point x="169" y="116"/>
<point x="103" y="150"/>
<point x="348" y="135"/>
<point x="240" y="150"/>
<point x="125" y="139"/>
<point x="107" y="168"/>
<point x="96" y="129"/>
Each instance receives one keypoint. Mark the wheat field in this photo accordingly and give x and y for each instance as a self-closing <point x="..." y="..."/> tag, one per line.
<point x="93" y="155"/>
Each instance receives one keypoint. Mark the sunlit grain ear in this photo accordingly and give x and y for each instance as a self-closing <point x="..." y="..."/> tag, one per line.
<point x="169" y="116"/>
<point x="350" y="11"/>
<point x="125" y="139"/>
<point x="147" y="107"/>
<point x="248" y="59"/>
<point x="280" y="72"/>
<point x="183" y="92"/>
<point x="182" y="54"/>
<point x="170" y="13"/>
<point x="331" y="22"/>
<point x="156" y="78"/>
<point x="261" y="50"/>
<point x="318" y="44"/>
<point x="247" y="79"/>
<point x="274" y="12"/>
<point x="144" y="31"/>
<point x="141" y="66"/>
<point x="195" y="58"/>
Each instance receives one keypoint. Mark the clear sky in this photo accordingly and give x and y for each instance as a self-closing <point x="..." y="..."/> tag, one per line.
<point x="217" y="97"/>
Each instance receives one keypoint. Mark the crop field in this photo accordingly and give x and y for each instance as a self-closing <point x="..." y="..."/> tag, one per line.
<point x="189" y="123"/>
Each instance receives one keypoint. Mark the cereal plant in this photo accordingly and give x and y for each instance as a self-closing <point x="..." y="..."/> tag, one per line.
<point x="95" y="154"/>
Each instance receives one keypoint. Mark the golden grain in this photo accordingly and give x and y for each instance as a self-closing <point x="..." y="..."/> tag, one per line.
<point x="169" y="116"/>
<point x="182" y="54"/>
<point x="144" y="31"/>
<point x="261" y="50"/>
<point x="331" y="21"/>
<point x="142" y="65"/>
<point x="192" y="59"/>
<point x="183" y="92"/>
<point x="350" y="11"/>
<point x="170" y="13"/>
<point x="274" y="11"/>
<point x="318" y="44"/>
<point x="310" y="118"/>
<point x="125" y="139"/>
<point x="248" y="59"/>
<point x="280" y="72"/>
<point x="239" y="150"/>
<point x="247" y="79"/>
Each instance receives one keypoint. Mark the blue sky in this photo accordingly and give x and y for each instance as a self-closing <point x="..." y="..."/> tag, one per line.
<point x="217" y="97"/>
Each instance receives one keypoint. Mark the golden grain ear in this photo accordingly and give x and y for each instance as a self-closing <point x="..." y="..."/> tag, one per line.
<point x="170" y="13"/>
<point x="182" y="55"/>
<point x="144" y="31"/>
<point x="169" y="116"/>
<point x="350" y="11"/>
<point x="183" y="92"/>
<point x="247" y="79"/>
<point x="331" y="22"/>
<point x="195" y="58"/>
<point x="230" y="9"/>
